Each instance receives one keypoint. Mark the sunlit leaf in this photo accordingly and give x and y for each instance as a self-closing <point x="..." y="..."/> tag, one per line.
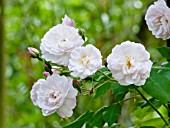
<point x="103" y="89"/>
<point x="96" y="120"/>
<point x="157" y="85"/>
<point x="165" y="52"/>
<point x="78" y="123"/>
<point x="119" y="91"/>
<point x="111" y="113"/>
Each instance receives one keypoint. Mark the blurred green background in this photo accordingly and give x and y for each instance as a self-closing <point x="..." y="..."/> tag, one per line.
<point x="107" y="23"/>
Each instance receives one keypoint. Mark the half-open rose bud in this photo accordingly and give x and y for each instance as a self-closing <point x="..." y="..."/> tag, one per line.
<point x="33" y="52"/>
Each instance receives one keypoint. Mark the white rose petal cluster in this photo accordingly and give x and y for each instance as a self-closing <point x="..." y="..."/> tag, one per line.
<point x="158" y="19"/>
<point x="85" y="61"/>
<point x="55" y="94"/>
<point x="130" y="63"/>
<point x="58" y="43"/>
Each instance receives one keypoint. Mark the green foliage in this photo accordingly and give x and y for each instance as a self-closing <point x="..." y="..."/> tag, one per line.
<point x="157" y="85"/>
<point x="119" y="91"/>
<point x="154" y="101"/>
<point x="165" y="52"/>
<point x="99" y="118"/>
<point x="96" y="120"/>
<point x="79" y="122"/>
<point x="103" y="89"/>
<point x="111" y="113"/>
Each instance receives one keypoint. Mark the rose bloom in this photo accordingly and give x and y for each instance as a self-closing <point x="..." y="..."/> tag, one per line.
<point x="58" y="42"/>
<point x="84" y="61"/>
<point x="158" y="19"/>
<point x="55" y="94"/>
<point x="129" y="63"/>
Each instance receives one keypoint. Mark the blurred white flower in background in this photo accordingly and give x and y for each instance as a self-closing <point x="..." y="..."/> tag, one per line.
<point x="129" y="63"/>
<point x="58" y="43"/>
<point x="55" y="94"/>
<point x="158" y="19"/>
<point x="85" y="61"/>
<point x="67" y="21"/>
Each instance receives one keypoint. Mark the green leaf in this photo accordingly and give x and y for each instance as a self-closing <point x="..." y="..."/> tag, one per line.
<point x="154" y="101"/>
<point x="103" y="89"/>
<point x="79" y="122"/>
<point x="165" y="52"/>
<point x="96" y="120"/>
<point x="119" y="91"/>
<point x="111" y="113"/>
<point x="153" y="122"/>
<point x="98" y="76"/>
<point x="158" y="85"/>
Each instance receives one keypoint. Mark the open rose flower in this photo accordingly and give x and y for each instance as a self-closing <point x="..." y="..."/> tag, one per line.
<point x="158" y="19"/>
<point x="129" y="63"/>
<point x="55" y="94"/>
<point x="85" y="61"/>
<point x="58" y="43"/>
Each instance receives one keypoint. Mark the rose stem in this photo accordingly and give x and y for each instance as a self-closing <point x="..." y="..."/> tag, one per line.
<point x="151" y="104"/>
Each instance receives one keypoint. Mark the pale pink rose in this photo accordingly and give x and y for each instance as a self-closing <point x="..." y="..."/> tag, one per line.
<point x="158" y="19"/>
<point x="58" y="43"/>
<point x="55" y="94"/>
<point x="130" y="63"/>
<point x="85" y="61"/>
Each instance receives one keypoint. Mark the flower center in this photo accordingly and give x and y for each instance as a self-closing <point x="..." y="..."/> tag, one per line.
<point x="55" y="98"/>
<point x="84" y="60"/>
<point x="128" y="63"/>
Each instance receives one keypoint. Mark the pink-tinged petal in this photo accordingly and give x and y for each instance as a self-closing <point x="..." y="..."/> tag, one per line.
<point x="33" y="52"/>
<point x="47" y="112"/>
<point x="68" y="21"/>
<point x="46" y="74"/>
<point x="34" y="91"/>
<point x="72" y="93"/>
<point x="64" y="112"/>
<point x="70" y="103"/>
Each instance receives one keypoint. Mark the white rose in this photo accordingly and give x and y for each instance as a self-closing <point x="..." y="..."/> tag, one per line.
<point x="129" y="63"/>
<point x="58" y="42"/>
<point x="85" y="61"/>
<point x="56" y="94"/>
<point x="158" y="19"/>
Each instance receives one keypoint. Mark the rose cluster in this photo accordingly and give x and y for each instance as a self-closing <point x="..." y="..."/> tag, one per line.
<point x="63" y="45"/>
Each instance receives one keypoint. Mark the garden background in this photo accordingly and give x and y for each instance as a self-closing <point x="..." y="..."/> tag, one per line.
<point x="106" y="22"/>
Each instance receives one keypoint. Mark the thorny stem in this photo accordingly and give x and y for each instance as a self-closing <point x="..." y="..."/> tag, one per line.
<point x="102" y="84"/>
<point x="106" y="75"/>
<point x="126" y="99"/>
<point x="39" y="58"/>
<point x="151" y="105"/>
